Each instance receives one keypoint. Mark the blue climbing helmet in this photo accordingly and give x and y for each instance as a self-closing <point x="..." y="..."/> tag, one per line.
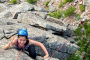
<point x="23" y="32"/>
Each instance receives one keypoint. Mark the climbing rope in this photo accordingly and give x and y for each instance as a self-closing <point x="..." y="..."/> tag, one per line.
<point x="19" y="54"/>
<point x="60" y="47"/>
<point x="57" y="50"/>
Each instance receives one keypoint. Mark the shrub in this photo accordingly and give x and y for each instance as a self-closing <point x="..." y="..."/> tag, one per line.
<point x="32" y="1"/>
<point x="88" y="31"/>
<point x="13" y="1"/>
<point x="84" y="41"/>
<point x="46" y="4"/>
<point x="82" y="7"/>
<point x="68" y="1"/>
<point x="82" y="44"/>
<point x="78" y="16"/>
<point x="64" y="2"/>
<point x="56" y="14"/>
<point x="69" y="11"/>
<point x="76" y="39"/>
<point x="86" y="56"/>
<point x="74" y="57"/>
<point x="77" y="31"/>
<point x="88" y="49"/>
<point x="60" y="4"/>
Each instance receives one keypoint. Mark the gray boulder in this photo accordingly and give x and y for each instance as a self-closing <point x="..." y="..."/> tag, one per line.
<point x="2" y="1"/>
<point x="11" y="30"/>
<point x="71" y="40"/>
<point x="5" y="6"/>
<point x="32" y="19"/>
<point x="54" y="20"/>
<point x="38" y="8"/>
<point x="43" y="15"/>
<point x="5" y="14"/>
<point x="25" y="7"/>
<point x="9" y="21"/>
<point x="52" y="9"/>
<point x="68" y="33"/>
<point x="1" y="33"/>
<point x="2" y="8"/>
<point x="86" y="2"/>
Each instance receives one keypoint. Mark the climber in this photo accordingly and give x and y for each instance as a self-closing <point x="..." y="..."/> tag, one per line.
<point x="21" y="41"/>
<point x="82" y="21"/>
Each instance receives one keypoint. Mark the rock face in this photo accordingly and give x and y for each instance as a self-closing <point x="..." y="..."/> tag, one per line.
<point x="51" y="8"/>
<point x="27" y="16"/>
<point x="86" y="2"/>
<point x="50" y="41"/>
<point x="33" y="19"/>
<point x="1" y="8"/>
<point x="54" y="20"/>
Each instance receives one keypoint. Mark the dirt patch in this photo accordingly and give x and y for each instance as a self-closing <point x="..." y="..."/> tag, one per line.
<point x="70" y="19"/>
<point x="87" y="12"/>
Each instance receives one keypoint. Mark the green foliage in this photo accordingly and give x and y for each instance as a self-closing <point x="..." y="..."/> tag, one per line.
<point x="74" y="57"/>
<point x="88" y="49"/>
<point x="77" y="16"/>
<point x="82" y="7"/>
<point x="87" y="29"/>
<point x="13" y="1"/>
<point x="82" y="44"/>
<point x="78" y="31"/>
<point x="85" y="25"/>
<point x="84" y="41"/>
<point x="46" y="4"/>
<point x="61" y="4"/>
<point x="69" y="11"/>
<point x="32" y="1"/>
<point x="87" y="32"/>
<point x="79" y="52"/>
<point x="86" y="56"/>
<point x="77" y="39"/>
<point x="56" y="14"/>
<point x="68" y="1"/>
